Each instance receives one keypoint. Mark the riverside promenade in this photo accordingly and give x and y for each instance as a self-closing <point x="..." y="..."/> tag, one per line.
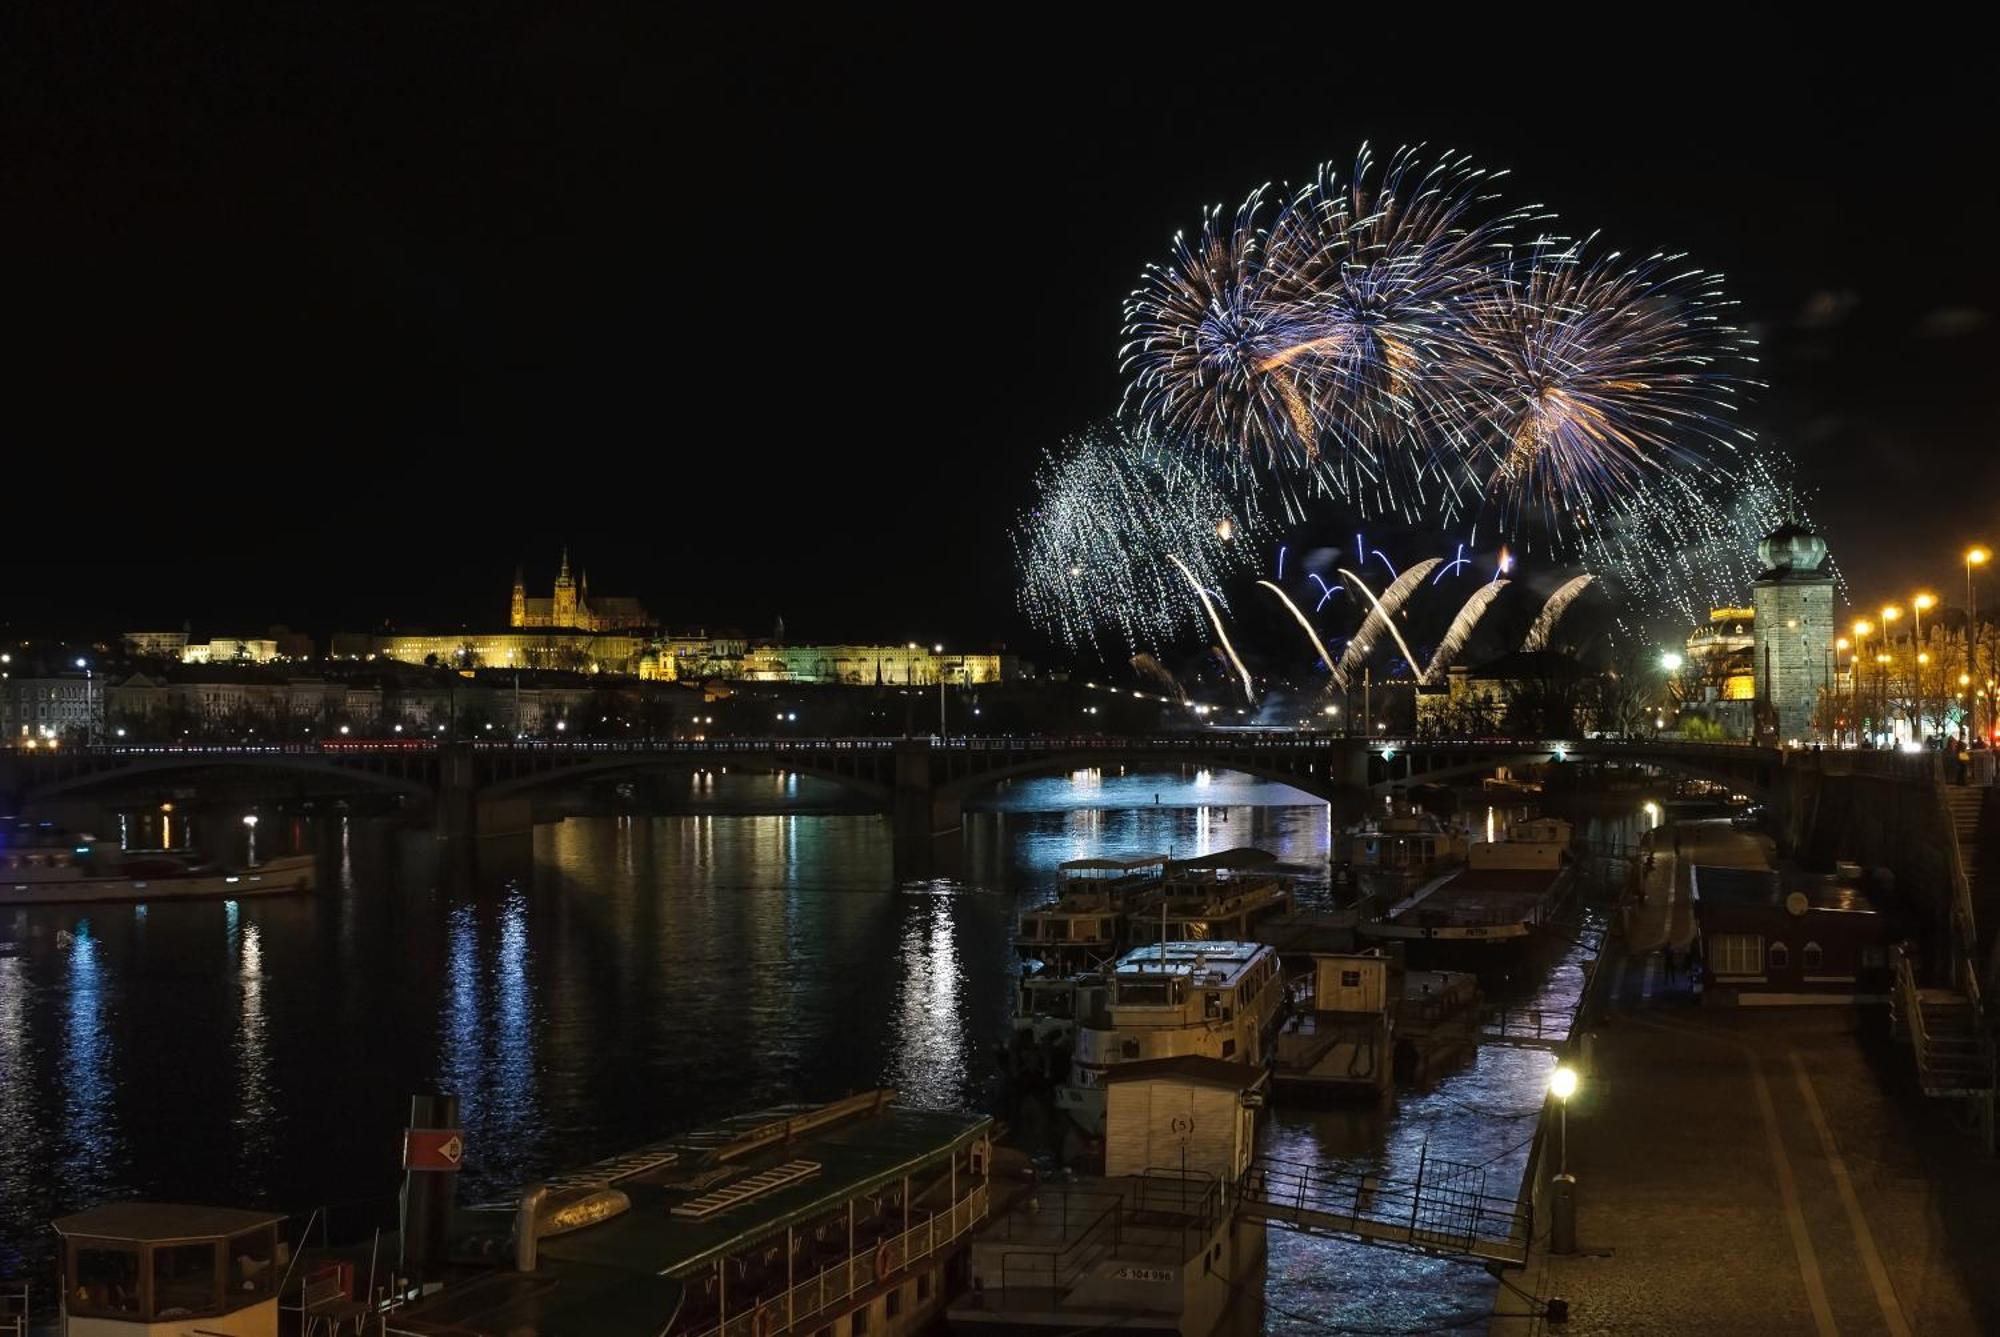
<point x="1756" y="1170"/>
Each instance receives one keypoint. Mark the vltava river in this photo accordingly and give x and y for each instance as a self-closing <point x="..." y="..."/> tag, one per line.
<point x="624" y="977"/>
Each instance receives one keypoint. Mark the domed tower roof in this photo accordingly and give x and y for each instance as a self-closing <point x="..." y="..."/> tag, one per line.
<point x="1791" y="550"/>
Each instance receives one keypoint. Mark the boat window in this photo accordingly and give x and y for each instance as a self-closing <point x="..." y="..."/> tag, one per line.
<point x="893" y="1302"/>
<point x="858" y="1321"/>
<point x="1809" y="956"/>
<point x="1028" y="928"/>
<point x="1212" y="1005"/>
<point x="250" y="1271"/>
<point x="104" y="1279"/>
<point x="184" y="1279"/>
<point x="1143" y="993"/>
<point x="1781" y="956"/>
<point x="1129" y="1048"/>
<point x="1228" y="1048"/>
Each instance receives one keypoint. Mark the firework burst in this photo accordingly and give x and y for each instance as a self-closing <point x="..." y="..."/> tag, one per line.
<point x="1334" y="336"/>
<point x="1109" y="511"/>
<point x="1595" y="376"/>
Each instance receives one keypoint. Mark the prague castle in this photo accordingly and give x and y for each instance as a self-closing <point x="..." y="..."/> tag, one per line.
<point x="570" y="607"/>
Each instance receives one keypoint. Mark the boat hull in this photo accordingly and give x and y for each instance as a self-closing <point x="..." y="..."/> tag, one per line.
<point x="281" y="876"/>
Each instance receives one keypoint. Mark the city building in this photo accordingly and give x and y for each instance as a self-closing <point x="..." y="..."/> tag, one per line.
<point x="1530" y="691"/>
<point x="47" y="707"/>
<point x="624" y="653"/>
<point x="1792" y="633"/>
<point x="874" y="665"/>
<point x="156" y="644"/>
<point x="1717" y="681"/>
<point x="227" y="649"/>
<point x="570" y="607"/>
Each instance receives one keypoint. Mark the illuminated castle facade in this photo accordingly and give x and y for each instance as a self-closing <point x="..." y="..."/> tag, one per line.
<point x="570" y="607"/>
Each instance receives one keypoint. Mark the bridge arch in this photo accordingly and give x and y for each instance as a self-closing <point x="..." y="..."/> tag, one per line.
<point x="142" y="769"/>
<point x="1321" y="783"/>
<point x="599" y="767"/>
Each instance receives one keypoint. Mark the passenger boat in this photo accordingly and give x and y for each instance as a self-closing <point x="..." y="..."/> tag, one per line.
<point x="1220" y="897"/>
<point x="1215" y="1000"/>
<point x="1085" y="925"/>
<point x="1402" y="846"/>
<point x="1046" y="1009"/>
<point x="1485" y="915"/>
<point x="43" y="866"/>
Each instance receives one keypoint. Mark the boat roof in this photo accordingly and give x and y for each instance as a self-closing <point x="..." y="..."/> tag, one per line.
<point x="156" y="1222"/>
<point x="1242" y="856"/>
<point x="1180" y="958"/>
<point x="1114" y="863"/>
<point x="812" y="1170"/>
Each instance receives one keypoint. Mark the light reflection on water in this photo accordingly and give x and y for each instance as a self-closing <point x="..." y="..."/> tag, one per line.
<point x="629" y="976"/>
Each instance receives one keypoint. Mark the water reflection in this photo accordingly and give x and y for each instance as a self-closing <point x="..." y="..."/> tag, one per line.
<point x="255" y="1110"/>
<point x="89" y="1134"/>
<point x="931" y="1066"/>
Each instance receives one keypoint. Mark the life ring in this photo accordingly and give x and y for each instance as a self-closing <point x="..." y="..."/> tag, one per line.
<point x="882" y="1261"/>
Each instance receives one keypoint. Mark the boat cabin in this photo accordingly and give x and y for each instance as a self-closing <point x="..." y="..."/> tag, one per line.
<point x="846" y="1219"/>
<point x="1086" y="920"/>
<point x="1766" y="939"/>
<point x="153" y="1267"/>
<point x="1215" y="897"/>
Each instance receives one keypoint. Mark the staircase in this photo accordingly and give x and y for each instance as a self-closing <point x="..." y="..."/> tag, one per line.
<point x="1967" y="805"/>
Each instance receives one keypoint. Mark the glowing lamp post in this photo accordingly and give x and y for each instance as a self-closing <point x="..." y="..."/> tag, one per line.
<point x="1562" y="1189"/>
<point x="250" y="823"/>
<point x="1974" y="556"/>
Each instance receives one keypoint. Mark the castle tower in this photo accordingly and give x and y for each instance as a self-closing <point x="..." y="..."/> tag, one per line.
<point x="517" y="612"/>
<point x="562" y="608"/>
<point x="1792" y="633"/>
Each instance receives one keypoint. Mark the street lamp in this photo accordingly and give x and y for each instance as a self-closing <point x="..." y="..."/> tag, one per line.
<point x="1562" y="1223"/>
<point x="1974" y="556"/>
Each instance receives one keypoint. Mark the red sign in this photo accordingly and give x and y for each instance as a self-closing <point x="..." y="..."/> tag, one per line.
<point x="432" y="1148"/>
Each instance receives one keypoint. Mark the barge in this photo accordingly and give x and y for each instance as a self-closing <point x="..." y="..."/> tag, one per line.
<point x="1486" y="915"/>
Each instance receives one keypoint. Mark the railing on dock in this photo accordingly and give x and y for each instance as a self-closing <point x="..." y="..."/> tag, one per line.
<point x="812" y="1299"/>
<point x="1445" y="1210"/>
<point x="1527" y="1028"/>
<point x="14" y="1309"/>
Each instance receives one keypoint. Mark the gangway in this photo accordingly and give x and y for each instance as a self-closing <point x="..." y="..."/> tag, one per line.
<point x="1445" y="1211"/>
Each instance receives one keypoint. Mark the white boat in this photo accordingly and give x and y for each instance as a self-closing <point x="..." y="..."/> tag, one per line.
<point x="1214" y="1000"/>
<point x="39" y="866"/>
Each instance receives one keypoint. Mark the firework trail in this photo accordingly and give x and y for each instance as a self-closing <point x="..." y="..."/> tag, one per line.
<point x="1461" y="628"/>
<point x="1593" y="376"/>
<point x="1108" y="509"/>
<point x="1249" y="692"/>
<point x="1552" y="611"/>
<point x="1383" y="614"/>
<point x="1147" y="666"/>
<point x="1339" y="678"/>
<point x="1686" y="544"/>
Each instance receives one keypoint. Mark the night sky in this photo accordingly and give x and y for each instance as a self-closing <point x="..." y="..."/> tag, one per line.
<point x="333" y="323"/>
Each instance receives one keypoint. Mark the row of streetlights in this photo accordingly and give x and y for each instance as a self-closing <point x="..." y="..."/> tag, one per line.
<point x="1920" y="603"/>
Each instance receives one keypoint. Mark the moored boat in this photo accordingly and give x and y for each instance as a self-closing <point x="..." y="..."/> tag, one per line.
<point x="1487" y="914"/>
<point x="42" y="866"/>
<point x="1215" y="1000"/>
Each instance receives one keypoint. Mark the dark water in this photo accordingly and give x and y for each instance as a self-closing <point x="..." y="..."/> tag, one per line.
<point x="620" y="978"/>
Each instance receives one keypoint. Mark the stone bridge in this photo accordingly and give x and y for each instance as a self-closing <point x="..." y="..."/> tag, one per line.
<point x="484" y="787"/>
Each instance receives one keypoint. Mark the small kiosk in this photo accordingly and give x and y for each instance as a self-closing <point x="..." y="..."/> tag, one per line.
<point x="162" y="1268"/>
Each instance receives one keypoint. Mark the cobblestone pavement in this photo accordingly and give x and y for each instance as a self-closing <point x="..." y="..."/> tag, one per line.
<point x="1760" y="1170"/>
